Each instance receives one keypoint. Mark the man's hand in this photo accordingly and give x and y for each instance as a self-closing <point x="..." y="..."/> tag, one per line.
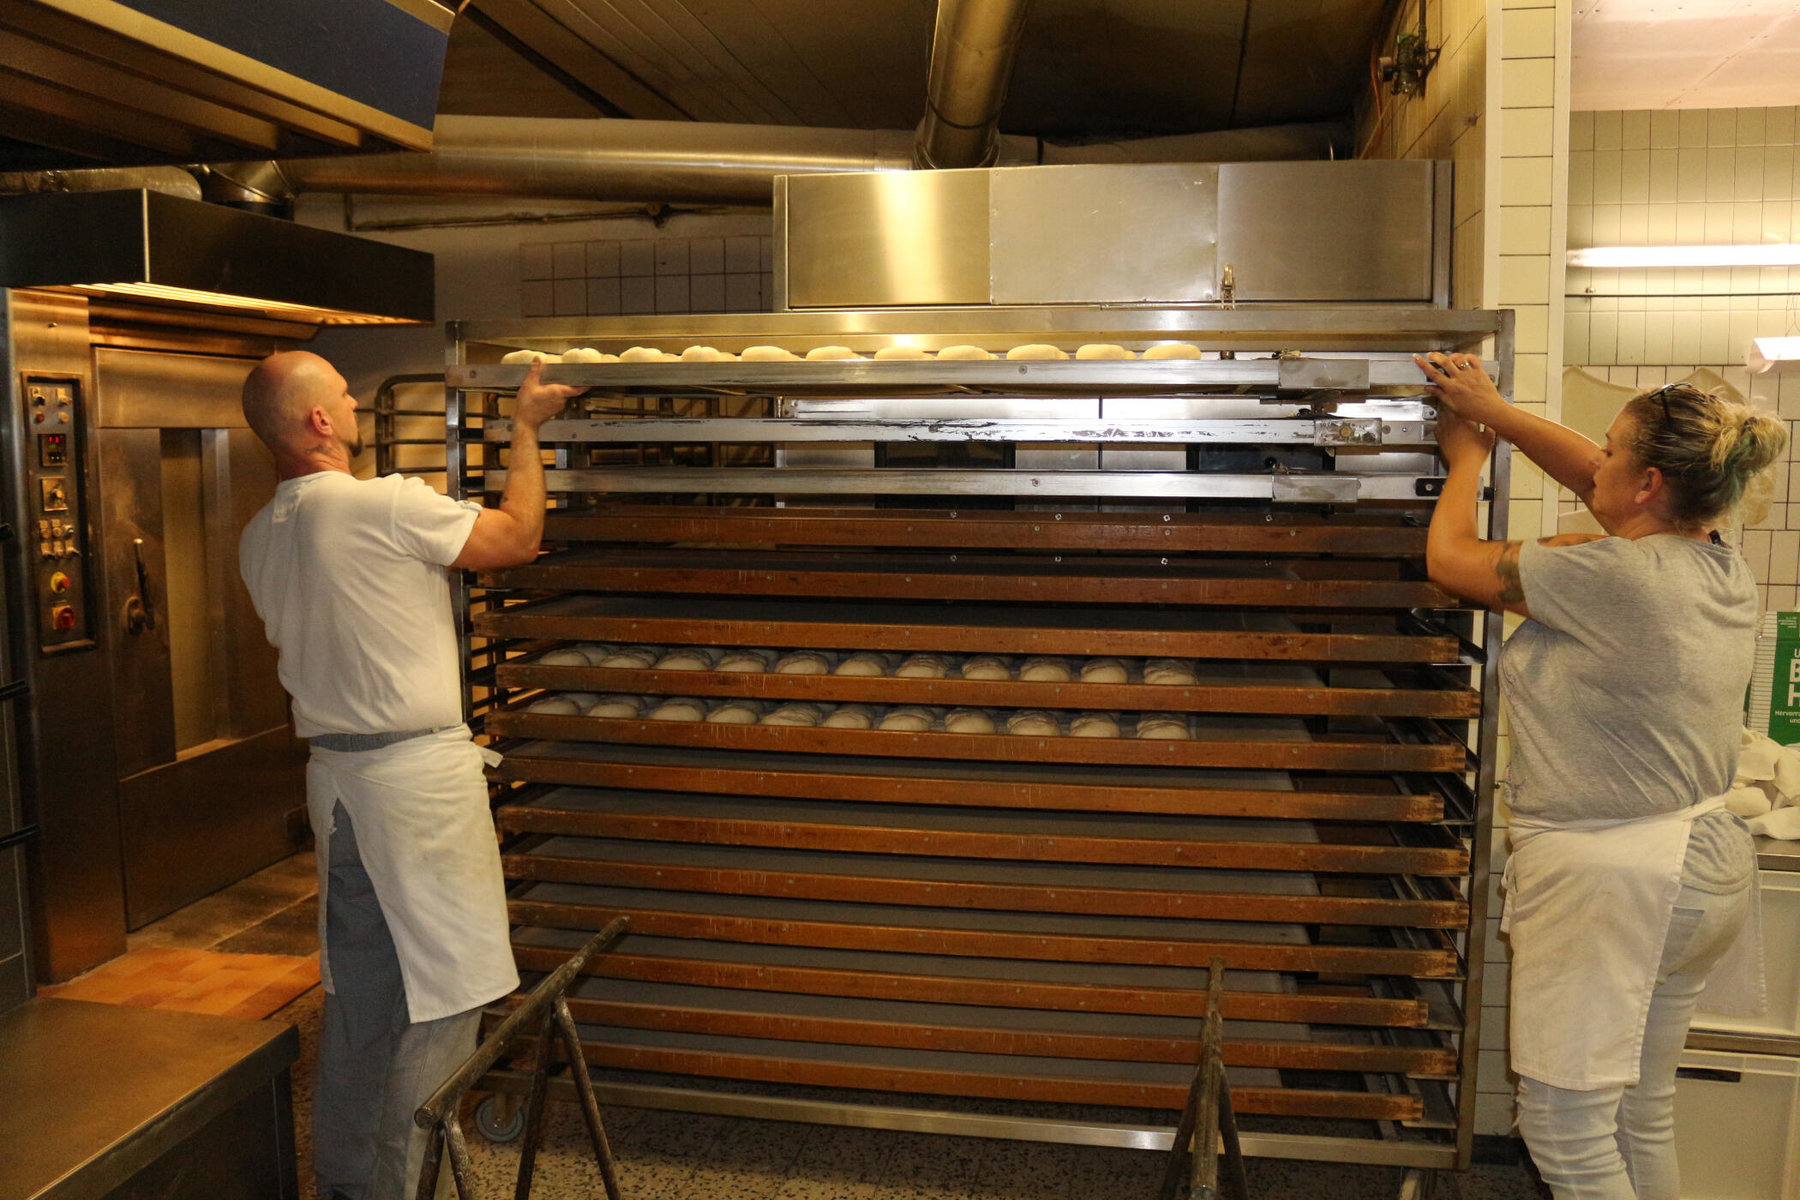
<point x="538" y="401"/>
<point x="1462" y="443"/>
<point x="1460" y="384"/>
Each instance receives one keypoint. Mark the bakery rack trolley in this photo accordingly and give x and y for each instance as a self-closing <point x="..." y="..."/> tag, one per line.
<point x="1000" y="933"/>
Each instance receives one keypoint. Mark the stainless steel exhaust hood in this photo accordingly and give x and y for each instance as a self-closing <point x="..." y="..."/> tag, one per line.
<point x="165" y="249"/>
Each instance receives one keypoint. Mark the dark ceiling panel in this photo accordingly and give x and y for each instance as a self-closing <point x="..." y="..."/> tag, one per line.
<point x="486" y="75"/>
<point x="1305" y="60"/>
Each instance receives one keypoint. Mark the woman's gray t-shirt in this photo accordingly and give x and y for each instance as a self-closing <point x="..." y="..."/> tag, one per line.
<point x="1625" y="689"/>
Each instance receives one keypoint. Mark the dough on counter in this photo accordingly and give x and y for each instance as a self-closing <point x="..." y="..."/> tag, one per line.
<point x="1093" y="725"/>
<point x="515" y="357"/>
<point x="923" y="666"/>
<point x="583" y="354"/>
<point x="986" y="666"/>
<point x="617" y="706"/>
<point x="963" y="354"/>
<point x="736" y="712"/>
<point x="679" y="708"/>
<point x="803" y="662"/>
<point x="1103" y="670"/>
<point x="688" y="658"/>
<point x="1168" y="726"/>
<point x="641" y="354"/>
<point x="1170" y="350"/>
<point x="1032" y="722"/>
<point x="566" y="656"/>
<point x="559" y="706"/>
<point x="769" y="354"/>
<point x="831" y="354"/>
<point x="799" y="713"/>
<point x="863" y="662"/>
<point x="968" y="720"/>
<point x="908" y="718"/>
<point x="1045" y="669"/>
<point x="851" y="716"/>
<point x="1102" y="351"/>
<point x="706" y="354"/>
<point x="746" y="660"/>
<point x="632" y="658"/>
<point x="900" y="354"/>
<point x="1170" y="671"/>
<point x="1035" y="352"/>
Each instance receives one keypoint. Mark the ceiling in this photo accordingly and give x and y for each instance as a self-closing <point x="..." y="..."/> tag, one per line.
<point x="1085" y="68"/>
<point x="1637" y="54"/>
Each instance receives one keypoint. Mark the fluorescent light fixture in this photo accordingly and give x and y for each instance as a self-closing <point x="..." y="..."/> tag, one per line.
<point x="1778" y="254"/>
<point x="1765" y="352"/>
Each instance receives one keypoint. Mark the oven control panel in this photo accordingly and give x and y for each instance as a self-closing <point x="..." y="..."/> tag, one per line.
<point x="55" y="532"/>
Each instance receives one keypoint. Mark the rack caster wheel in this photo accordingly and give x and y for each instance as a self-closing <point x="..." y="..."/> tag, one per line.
<point x="500" y="1118"/>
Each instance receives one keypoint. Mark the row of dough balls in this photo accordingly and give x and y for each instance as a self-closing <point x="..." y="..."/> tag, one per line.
<point x="1035" y="352"/>
<point x="905" y="718"/>
<point x="756" y="660"/>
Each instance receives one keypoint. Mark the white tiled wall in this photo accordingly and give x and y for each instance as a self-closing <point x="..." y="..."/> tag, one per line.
<point x="645" y="275"/>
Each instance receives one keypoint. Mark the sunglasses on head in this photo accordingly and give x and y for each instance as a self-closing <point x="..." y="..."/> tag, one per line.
<point x="1662" y="394"/>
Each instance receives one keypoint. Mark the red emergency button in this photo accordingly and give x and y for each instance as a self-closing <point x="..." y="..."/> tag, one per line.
<point x="62" y="618"/>
<point x="59" y="583"/>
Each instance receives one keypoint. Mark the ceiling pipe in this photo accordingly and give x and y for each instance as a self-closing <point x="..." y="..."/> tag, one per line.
<point x="173" y="181"/>
<point x="972" y="53"/>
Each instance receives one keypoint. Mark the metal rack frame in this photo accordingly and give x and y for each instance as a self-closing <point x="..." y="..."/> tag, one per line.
<point x="1339" y="356"/>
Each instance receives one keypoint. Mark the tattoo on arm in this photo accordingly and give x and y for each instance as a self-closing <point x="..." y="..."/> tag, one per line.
<point x="1512" y="588"/>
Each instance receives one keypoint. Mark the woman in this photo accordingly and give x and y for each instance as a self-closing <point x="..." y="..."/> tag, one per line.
<point x="1628" y="882"/>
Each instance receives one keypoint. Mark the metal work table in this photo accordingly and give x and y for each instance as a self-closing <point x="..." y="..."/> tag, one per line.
<point x="105" y="1100"/>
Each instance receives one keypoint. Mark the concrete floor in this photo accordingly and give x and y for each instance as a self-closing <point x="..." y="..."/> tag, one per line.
<point x="680" y="1156"/>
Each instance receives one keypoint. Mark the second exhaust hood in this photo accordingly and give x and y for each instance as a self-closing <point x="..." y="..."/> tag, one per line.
<point x="167" y="249"/>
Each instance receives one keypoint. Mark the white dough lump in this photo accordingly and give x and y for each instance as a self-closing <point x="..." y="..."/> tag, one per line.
<point x="585" y="354"/>
<point x="831" y="354"/>
<point x="736" y="712"/>
<point x="1168" y="726"/>
<point x="1170" y="672"/>
<point x="515" y="357"/>
<point x="1094" y="725"/>
<point x="679" y="708"/>
<point x="632" y="658"/>
<point x="746" y="660"/>
<point x="851" y="716"/>
<point x="1032" y="722"/>
<point x="797" y="713"/>
<point x="900" y="354"/>
<point x="923" y="666"/>
<point x="596" y="652"/>
<point x="863" y="662"/>
<point x="909" y="718"/>
<point x="968" y="720"/>
<point x="688" y="658"/>
<point x="986" y="666"/>
<point x="1103" y="670"/>
<point x="1045" y="669"/>
<point x="568" y="656"/>
<point x="1170" y="350"/>
<point x="706" y="354"/>
<point x="1102" y="352"/>
<point x="803" y="662"/>
<point x="963" y="354"/>
<point x="769" y="354"/>
<point x="1036" y="352"/>
<point x="617" y="706"/>
<point x="641" y="354"/>
<point x="565" y="704"/>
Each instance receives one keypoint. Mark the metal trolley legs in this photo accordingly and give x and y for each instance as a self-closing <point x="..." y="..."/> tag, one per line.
<point x="547" y="1012"/>
<point x="1207" y="1118"/>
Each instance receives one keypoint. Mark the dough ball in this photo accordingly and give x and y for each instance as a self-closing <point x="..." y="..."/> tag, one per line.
<point x="632" y="658"/>
<point x="1103" y="670"/>
<point x="568" y="656"/>
<point x="745" y="660"/>
<point x="986" y="666"/>
<point x="1044" y="669"/>
<point x="704" y="354"/>
<point x="736" y="712"/>
<point x="617" y="706"/>
<point x="968" y="720"/>
<point x="851" y="716"/>
<point x="831" y="354"/>
<point x="582" y="354"/>
<point x="803" y="662"/>
<point x="1096" y="352"/>
<point x="558" y="706"/>
<point x="963" y="354"/>
<point x="923" y="666"/>
<point x="641" y="354"/>
<point x="1170" y="350"/>
<point x="796" y="713"/>
<point x="1172" y="671"/>
<point x="1035" y="352"/>
<point x="679" y="708"/>
<point x="1093" y="725"/>
<point x="863" y="662"/>
<point x="1032" y="722"/>
<point x="900" y="354"/>
<point x="769" y="354"/>
<point x="1167" y="726"/>
<point x="515" y="357"/>
<point x="595" y="652"/>
<point x="688" y="658"/>
<point x="909" y="718"/>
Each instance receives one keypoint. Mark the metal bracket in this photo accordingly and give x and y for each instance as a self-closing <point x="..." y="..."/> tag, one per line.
<point x="1339" y="374"/>
<point x="1314" y="489"/>
<point x="1347" y="431"/>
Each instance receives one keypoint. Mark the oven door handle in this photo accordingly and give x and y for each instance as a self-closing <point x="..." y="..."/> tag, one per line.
<point x="140" y="610"/>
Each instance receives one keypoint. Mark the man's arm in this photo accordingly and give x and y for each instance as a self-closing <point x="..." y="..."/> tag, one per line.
<point x="509" y="535"/>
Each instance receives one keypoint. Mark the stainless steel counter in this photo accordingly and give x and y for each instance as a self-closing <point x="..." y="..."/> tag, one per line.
<point x="1775" y="854"/>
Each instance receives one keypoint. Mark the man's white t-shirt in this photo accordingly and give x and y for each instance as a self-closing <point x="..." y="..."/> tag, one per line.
<point x="348" y="577"/>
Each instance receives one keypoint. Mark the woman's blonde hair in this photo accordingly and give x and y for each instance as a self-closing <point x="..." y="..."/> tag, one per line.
<point x="1708" y="449"/>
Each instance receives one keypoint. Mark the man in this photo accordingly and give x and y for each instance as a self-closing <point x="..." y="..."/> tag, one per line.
<point x="348" y="577"/>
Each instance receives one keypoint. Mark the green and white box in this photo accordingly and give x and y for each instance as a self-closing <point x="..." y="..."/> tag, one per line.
<point x="1774" y="701"/>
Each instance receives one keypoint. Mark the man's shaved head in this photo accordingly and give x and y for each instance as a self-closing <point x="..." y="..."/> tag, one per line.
<point x="282" y="389"/>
